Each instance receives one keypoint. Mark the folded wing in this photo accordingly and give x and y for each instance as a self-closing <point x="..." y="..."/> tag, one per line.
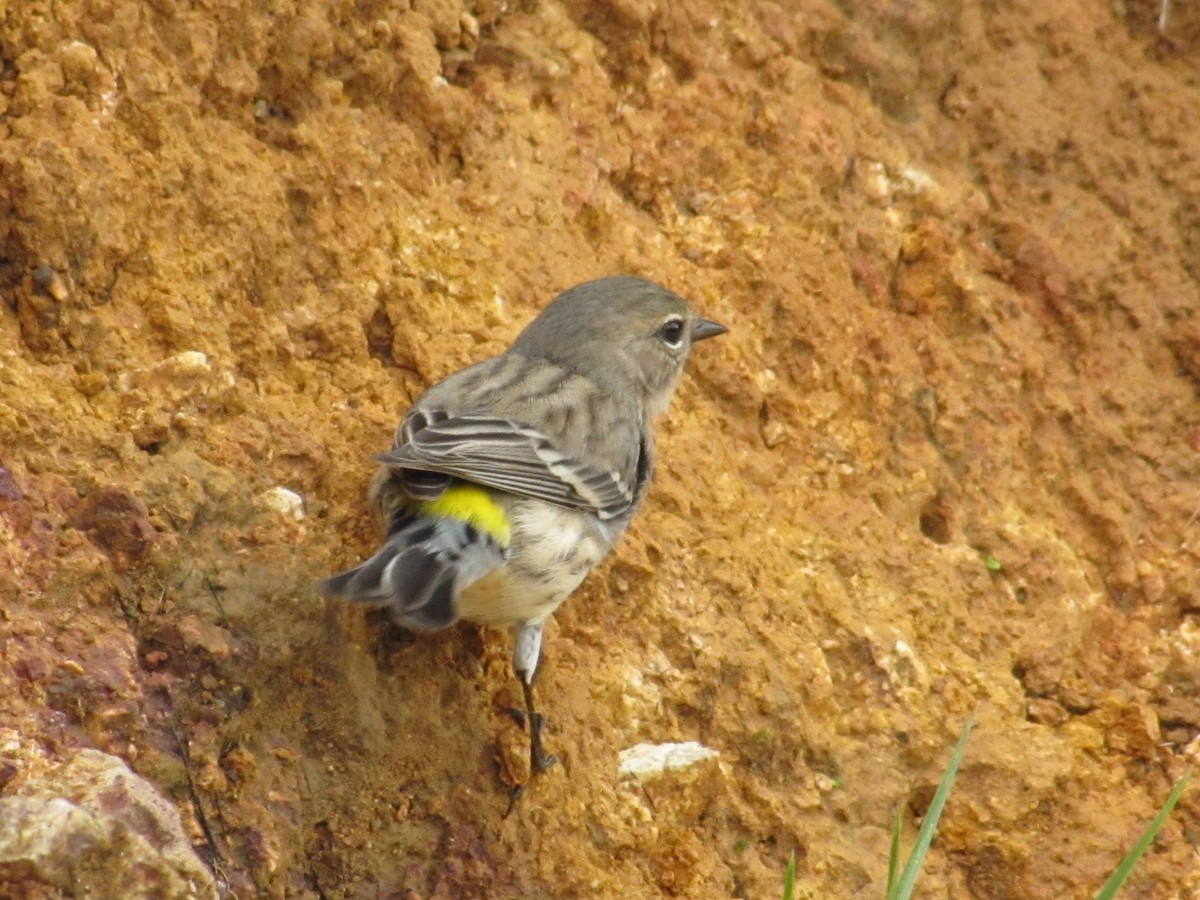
<point x="508" y="456"/>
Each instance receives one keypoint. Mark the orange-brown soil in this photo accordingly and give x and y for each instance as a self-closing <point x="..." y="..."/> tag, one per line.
<point x="946" y="460"/>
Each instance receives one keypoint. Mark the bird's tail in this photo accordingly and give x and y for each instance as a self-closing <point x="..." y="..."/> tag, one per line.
<point x="424" y="563"/>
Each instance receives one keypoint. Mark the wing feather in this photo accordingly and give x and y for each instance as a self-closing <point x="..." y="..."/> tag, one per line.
<point x="509" y="456"/>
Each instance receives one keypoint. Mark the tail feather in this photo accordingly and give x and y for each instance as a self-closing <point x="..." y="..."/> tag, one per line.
<point x="420" y="570"/>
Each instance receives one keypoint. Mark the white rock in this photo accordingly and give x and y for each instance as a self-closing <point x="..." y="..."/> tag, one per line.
<point x="190" y="361"/>
<point x="647" y="761"/>
<point x="285" y="502"/>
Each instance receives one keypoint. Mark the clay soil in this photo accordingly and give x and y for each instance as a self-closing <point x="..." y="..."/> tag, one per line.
<point x="946" y="460"/>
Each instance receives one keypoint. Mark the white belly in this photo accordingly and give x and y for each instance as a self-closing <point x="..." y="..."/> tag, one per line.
<point x="551" y="552"/>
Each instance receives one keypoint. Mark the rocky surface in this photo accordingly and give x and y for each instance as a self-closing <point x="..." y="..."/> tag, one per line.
<point x="92" y="828"/>
<point x="947" y="459"/>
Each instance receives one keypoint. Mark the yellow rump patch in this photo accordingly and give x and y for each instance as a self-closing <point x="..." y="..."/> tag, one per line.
<point x="474" y="506"/>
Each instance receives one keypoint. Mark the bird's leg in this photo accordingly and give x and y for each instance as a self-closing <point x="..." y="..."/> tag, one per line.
<point x="526" y="653"/>
<point x="539" y="759"/>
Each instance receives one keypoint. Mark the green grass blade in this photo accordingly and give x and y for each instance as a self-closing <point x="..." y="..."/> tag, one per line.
<point x="893" y="856"/>
<point x="912" y="867"/>
<point x="789" y="878"/>
<point x="1117" y="878"/>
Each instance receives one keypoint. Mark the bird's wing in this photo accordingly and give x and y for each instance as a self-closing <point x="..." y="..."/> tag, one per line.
<point x="508" y="456"/>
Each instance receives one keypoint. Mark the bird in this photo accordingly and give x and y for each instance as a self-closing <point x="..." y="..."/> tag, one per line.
<point x="508" y="481"/>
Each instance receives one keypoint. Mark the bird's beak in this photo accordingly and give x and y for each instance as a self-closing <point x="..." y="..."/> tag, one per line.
<point x="704" y="329"/>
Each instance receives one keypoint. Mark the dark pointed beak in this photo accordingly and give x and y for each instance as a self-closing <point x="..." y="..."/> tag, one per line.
<point x="704" y="329"/>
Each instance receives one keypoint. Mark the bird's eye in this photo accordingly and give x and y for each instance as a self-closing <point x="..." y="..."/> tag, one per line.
<point x="671" y="333"/>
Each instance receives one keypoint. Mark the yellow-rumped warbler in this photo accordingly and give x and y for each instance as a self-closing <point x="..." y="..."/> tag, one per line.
<point x="510" y="479"/>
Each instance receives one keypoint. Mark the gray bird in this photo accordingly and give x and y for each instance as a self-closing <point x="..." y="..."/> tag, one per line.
<point x="509" y="480"/>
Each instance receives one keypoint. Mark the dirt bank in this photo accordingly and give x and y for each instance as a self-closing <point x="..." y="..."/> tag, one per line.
<point x="946" y="460"/>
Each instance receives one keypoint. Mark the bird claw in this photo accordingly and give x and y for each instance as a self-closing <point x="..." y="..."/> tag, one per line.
<point x="539" y="759"/>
